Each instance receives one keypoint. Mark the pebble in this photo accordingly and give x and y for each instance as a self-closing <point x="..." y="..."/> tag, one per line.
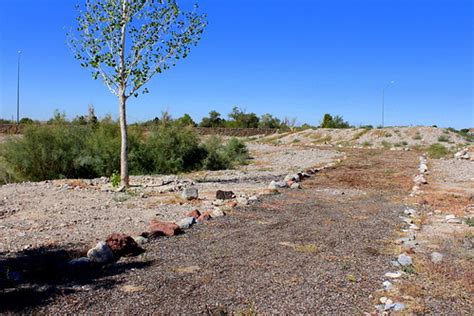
<point x="186" y="222"/>
<point x="387" y="285"/>
<point x="101" y="253"/>
<point x="393" y="275"/>
<point x="436" y="257"/>
<point x="404" y="260"/>
<point x="409" y="212"/>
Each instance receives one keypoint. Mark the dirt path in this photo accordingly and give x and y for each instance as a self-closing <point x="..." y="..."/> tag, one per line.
<point x="318" y="250"/>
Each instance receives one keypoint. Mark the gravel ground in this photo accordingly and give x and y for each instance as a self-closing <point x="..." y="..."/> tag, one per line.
<point x="320" y="250"/>
<point x="85" y="211"/>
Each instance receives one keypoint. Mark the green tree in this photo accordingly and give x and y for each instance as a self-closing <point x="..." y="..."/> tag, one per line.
<point x="127" y="42"/>
<point x="241" y="119"/>
<point x="269" y="121"/>
<point x="185" y="120"/>
<point x="334" y="122"/>
<point x="214" y="120"/>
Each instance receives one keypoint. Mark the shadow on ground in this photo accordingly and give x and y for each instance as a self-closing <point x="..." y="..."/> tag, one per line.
<point x="35" y="277"/>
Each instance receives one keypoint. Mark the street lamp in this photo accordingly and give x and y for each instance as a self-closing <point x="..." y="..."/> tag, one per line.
<point x="18" y="91"/>
<point x="383" y="101"/>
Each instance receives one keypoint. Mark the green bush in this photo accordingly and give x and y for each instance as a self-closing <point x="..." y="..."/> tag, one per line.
<point x="443" y="138"/>
<point x="437" y="151"/>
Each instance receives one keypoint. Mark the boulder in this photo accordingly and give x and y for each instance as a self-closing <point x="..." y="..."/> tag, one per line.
<point x="186" y="222"/>
<point x="158" y="228"/>
<point x="242" y="201"/>
<point x="190" y="193"/>
<point x="101" y="253"/>
<point x="224" y="195"/>
<point x="194" y="213"/>
<point x="204" y="217"/>
<point x="292" y="177"/>
<point x="277" y="185"/>
<point x="217" y="212"/>
<point x="123" y="245"/>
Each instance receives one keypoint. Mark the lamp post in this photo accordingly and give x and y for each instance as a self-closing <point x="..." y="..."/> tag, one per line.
<point x="383" y="102"/>
<point x="18" y="91"/>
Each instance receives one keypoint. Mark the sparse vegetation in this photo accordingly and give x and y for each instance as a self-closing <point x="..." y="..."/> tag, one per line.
<point x="417" y="136"/>
<point x="437" y="151"/>
<point x="443" y="138"/>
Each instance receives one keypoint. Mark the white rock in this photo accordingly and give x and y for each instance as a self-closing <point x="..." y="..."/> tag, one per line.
<point x="101" y="253"/>
<point x="393" y="275"/>
<point x="436" y="257"/>
<point x="387" y="285"/>
<point x="423" y="168"/>
<point x="409" y="212"/>
<point x="242" y="201"/>
<point x="383" y="299"/>
<point x="217" y="212"/>
<point x="190" y="193"/>
<point x="404" y="260"/>
<point x="295" y="186"/>
<point x="140" y="240"/>
<point x="186" y="222"/>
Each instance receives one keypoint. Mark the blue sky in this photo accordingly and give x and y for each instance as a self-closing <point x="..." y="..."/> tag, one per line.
<point x="299" y="58"/>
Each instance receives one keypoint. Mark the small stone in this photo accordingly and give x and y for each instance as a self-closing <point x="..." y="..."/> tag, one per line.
<point x="383" y="299"/>
<point x="204" y="217"/>
<point x="387" y="285"/>
<point x="158" y="228"/>
<point x="277" y="185"/>
<point x="190" y="193"/>
<point x="140" y="240"/>
<point x="224" y="195"/>
<point x="409" y="212"/>
<point x="295" y="186"/>
<point x="393" y="275"/>
<point x="448" y="217"/>
<point x="101" y="253"/>
<point x="404" y="260"/>
<point x="242" y="201"/>
<point x="423" y="168"/>
<point x="436" y="257"/>
<point x="413" y="227"/>
<point x="217" y="213"/>
<point x="194" y="213"/>
<point x="397" y="307"/>
<point x="253" y="198"/>
<point x="186" y="222"/>
<point x="292" y="177"/>
<point x="123" y="245"/>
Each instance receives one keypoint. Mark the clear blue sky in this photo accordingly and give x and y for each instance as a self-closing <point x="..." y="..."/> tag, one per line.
<point x="298" y="58"/>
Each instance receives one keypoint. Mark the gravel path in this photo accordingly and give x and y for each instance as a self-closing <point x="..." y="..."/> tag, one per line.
<point x="319" y="250"/>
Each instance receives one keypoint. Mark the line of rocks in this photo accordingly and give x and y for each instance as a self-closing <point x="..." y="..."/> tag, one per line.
<point x="293" y="180"/>
<point x="420" y="179"/>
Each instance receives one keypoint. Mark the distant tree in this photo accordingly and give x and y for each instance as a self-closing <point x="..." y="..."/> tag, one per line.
<point x="334" y="122"/>
<point x="26" y="121"/>
<point x="289" y="123"/>
<point x="185" y="120"/>
<point x="58" y="118"/>
<point x="213" y="120"/>
<point x="127" y="42"/>
<point x="269" y="121"/>
<point x="240" y="119"/>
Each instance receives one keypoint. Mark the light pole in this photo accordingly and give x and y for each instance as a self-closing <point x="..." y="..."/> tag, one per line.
<point x="18" y="91"/>
<point x="383" y="101"/>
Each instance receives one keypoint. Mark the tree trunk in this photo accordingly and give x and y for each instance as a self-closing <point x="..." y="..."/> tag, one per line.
<point x="124" y="179"/>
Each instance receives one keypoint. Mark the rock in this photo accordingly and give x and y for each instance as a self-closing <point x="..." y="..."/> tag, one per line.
<point x="310" y="171"/>
<point x="158" y="228"/>
<point x="397" y="307"/>
<point x="123" y="245"/>
<point x="253" y="198"/>
<point x="409" y="245"/>
<point x="277" y="185"/>
<point x="14" y="276"/>
<point x="420" y="179"/>
<point x="409" y="212"/>
<point x="217" y="212"/>
<point x="436" y="257"/>
<point x="224" y="195"/>
<point x="79" y="263"/>
<point x="454" y="221"/>
<point x="242" y="201"/>
<point x="387" y="285"/>
<point x="204" y="217"/>
<point x="393" y="275"/>
<point x="463" y="154"/>
<point x="292" y="177"/>
<point x="295" y="186"/>
<point x="290" y="183"/>
<point x="414" y="227"/>
<point x="140" y="240"/>
<point x="383" y="299"/>
<point x="186" y="222"/>
<point x="448" y="217"/>
<point x="194" y="213"/>
<point x="404" y="260"/>
<point x="101" y="253"/>
<point x="190" y="193"/>
<point x="423" y="168"/>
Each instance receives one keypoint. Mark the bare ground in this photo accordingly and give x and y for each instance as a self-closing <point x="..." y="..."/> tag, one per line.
<point x="320" y="250"/>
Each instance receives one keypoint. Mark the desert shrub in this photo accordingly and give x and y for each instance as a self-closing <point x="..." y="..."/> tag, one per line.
<point x="417" y="136"/>
<point x="443" y="138"/>
<point x="386" y="144"/>
<point x="236" y="151"/>
<point x="170" y="149"/>
<point x="334" y="122"/>
<point x="366" y="144"/>
<point x="437" y="151"/>
<point x="216" y="157"/>
<point x="47" y="152"/>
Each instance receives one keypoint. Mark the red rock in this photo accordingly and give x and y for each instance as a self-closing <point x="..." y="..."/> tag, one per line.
<point x="158" y="228"/>
<point x="204" y="217"/>
<point x="123" y="245"/>
<point x="289" y="183"/>
<point x="194" y="214"/>
<point x="232" y="204"/>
